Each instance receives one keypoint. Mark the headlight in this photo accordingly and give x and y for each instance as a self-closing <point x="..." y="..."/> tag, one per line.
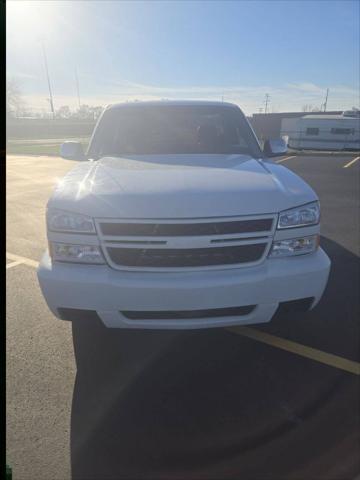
<point x="294" y="246"/>
<point x="64" y="252"/>
<point x="60" y="221"/>
<point x="303" y="216"/>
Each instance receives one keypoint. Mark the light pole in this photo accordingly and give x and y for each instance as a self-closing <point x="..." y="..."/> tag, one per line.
<point x="267" y="100"/>
<point x="48" y="79"/>
<point x="326" y="99"/>
<point x="77" y="87"/>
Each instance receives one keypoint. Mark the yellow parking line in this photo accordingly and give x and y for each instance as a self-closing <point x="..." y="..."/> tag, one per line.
<point x="18" y="258"/>
<point x="278" y="342"/>
<point x="299" y="349"/>
<point x="286" y="158"/>
<point x="350" y="163"/>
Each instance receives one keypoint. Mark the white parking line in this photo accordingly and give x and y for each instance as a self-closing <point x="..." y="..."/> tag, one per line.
<point x="350" y="163"/>
<point x="19" y="259"/>
<point x="284" y="159"/>
<point x="13" y="264"/>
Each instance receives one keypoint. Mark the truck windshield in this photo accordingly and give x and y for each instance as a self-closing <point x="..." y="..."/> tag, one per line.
<point x="149" y="130"/>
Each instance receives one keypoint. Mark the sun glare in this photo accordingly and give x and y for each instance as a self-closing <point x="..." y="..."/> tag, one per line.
<point x="30" y="19"/>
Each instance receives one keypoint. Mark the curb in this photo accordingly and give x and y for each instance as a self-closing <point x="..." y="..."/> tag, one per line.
<point x="320" y="153"/>
<point x="11" y="154"/>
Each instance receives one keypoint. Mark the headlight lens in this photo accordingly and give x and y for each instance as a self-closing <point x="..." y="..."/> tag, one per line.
<point x="60" y="221"/>
<point x="300" y="217"/>
<point x="294" y="246"/>
<point x="64" y="252"/>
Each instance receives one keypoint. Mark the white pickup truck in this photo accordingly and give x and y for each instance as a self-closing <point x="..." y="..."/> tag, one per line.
<point x="175" y="218"/>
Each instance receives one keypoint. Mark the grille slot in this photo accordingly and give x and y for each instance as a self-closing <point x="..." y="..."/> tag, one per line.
<point x="185" y="229"/>
<point x="186" y="257"/>
<point x="234" y="239"/>
<point x="188" y="314"/>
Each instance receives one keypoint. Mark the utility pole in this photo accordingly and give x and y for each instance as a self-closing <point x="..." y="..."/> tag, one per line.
<point x="267" y="100"/>
<point x="48" y="80"/>
<point x="77" y="87"/>
<point x="326" y="99"/>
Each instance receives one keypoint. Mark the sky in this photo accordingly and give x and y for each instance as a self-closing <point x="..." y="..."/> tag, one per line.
<point x="235" y="51"/>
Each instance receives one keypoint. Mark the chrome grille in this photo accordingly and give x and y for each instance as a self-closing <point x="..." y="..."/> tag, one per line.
<point x="185" y="244"/>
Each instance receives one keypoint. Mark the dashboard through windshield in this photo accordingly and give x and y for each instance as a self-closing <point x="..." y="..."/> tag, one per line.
<point x="149" y="130"/>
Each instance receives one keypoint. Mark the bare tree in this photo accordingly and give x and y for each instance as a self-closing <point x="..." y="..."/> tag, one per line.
<point x="86" y="112"/>
<point x="96" y="111"/>
<point x="14" y="101"/>
<point x="63" y="112"/>
<point x="83" y="112"/>
<point x="307" y="108"/>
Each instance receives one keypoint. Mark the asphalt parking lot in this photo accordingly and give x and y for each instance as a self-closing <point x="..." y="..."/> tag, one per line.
<point x="275" y="401"/>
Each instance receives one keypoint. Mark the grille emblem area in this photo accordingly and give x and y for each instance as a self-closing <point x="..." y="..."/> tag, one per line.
<point x="186" y="244"/>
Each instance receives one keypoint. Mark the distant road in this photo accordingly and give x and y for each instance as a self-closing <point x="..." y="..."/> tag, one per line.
<point x="44" y="141"/>
<point x="38" y="146"/>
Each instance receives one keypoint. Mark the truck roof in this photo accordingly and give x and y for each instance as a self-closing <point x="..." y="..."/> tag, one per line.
<point x="159" y="103"/>
<point x="327" y="117"/>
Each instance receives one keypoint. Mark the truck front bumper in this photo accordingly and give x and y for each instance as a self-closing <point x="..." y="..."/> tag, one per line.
<point x="110" y="292"/>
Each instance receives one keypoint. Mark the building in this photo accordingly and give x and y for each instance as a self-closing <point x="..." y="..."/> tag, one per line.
<point x="268" y="125"/>
<point x="323" y="132"/>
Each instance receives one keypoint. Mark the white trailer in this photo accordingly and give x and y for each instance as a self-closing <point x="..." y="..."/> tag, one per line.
<point x="322" y="132"/>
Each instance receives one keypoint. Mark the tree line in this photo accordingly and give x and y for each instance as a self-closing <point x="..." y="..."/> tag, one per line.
<point x="16" y="107"/>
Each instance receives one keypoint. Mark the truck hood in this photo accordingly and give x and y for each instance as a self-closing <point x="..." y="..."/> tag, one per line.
<point x="179" y="186"/>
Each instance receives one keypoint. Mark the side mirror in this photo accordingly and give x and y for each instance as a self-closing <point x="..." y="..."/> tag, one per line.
<point x="72" y="151"/>
<point x="275" y="147"/>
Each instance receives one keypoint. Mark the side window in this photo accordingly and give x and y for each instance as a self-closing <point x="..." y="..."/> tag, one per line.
<point x="312" y="131"/>
<point x="342" y="131"/>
